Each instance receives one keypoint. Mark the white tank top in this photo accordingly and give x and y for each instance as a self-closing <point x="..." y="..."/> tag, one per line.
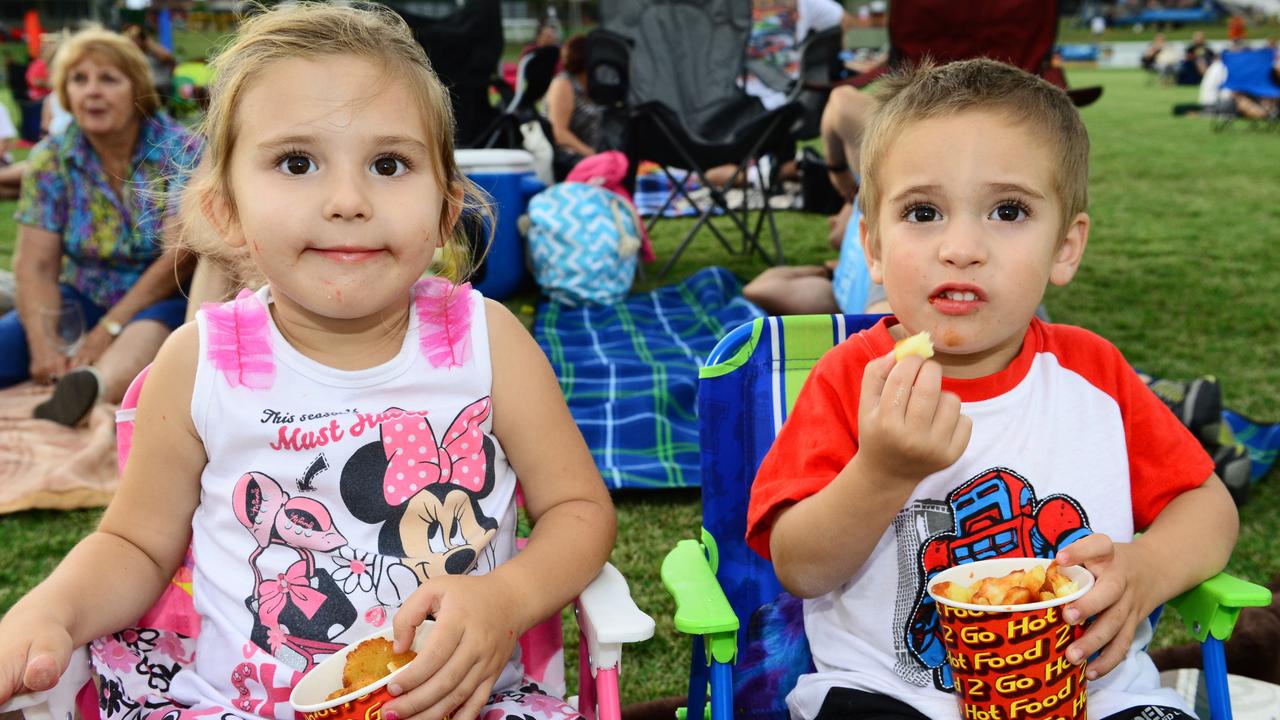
<point x="330" y="495"/>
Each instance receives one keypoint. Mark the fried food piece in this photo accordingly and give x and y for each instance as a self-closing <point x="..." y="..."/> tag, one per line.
<point x="918" y="344"/>
<point x="369" y="662"/>
<point x="1016" y="588"/>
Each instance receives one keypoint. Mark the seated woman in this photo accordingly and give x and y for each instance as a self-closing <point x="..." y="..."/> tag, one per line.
<point x="576" y="121"/>
<point x="92" y="214"/>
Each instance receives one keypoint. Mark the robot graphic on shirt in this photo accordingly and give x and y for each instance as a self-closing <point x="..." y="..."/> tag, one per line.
<point x="995" y="514"/>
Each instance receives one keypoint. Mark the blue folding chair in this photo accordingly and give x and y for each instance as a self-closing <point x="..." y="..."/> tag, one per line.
<point x="749" y="384"/>
<point x="1248" y="72"/>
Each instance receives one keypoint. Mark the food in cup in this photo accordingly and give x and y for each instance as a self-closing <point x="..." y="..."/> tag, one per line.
<point x="1018" y="587"/>
<point x="369" y="662"/>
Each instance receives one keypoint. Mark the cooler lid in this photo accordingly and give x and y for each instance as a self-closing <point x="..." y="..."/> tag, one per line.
<point x="493" y="160"/>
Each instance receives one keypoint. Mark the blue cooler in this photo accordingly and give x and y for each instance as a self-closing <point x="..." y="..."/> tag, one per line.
<point x="508" y="177"/>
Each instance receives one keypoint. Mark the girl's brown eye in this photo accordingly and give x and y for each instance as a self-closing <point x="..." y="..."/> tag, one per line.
<point x="388" y="166"/>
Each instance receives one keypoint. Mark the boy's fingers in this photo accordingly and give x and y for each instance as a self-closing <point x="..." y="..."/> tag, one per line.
<point x="1093" y="548"/>
<point x="898" y="385"/>
<point x="960" y="435"/>
<point x="874" y="375"/>
<point x="922" y="407"/>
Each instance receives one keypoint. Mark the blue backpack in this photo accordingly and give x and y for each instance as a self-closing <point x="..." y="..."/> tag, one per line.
<point x="583" y="241"/>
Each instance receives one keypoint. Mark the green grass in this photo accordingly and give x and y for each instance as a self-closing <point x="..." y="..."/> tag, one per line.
<point x="1179" y="273"/>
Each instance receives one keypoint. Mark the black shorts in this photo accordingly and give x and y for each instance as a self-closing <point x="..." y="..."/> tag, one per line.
<point x="843" y="703"/>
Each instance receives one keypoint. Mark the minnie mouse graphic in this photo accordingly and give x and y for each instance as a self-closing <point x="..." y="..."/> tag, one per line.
<point x="426" y="493"/>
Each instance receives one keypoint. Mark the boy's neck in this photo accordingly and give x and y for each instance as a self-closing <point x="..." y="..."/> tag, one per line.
<point x="967" y="366"/>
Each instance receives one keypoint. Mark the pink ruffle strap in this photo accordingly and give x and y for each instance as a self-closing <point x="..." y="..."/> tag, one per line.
<point x="240" y="341"/>
<point x="444" y="317"/>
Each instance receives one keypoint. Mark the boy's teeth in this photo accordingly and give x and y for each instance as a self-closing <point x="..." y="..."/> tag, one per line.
<point x="962" y="296"/>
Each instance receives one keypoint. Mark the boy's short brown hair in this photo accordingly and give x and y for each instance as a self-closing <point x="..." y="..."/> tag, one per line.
<point x="930" y="91"/>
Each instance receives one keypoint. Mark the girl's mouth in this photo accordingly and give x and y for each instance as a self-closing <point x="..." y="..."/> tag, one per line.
<point x="347" y="255"/>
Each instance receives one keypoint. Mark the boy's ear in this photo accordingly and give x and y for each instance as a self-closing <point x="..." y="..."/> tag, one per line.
<point x="217" y="211"/>
<point x="871" y="254"/>
<point x="1067" y="260"/>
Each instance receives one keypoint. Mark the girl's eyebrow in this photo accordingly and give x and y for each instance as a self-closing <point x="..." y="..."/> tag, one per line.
<point x="403" y="141"/>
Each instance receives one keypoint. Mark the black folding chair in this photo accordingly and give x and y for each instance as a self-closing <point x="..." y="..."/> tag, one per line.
<point x="684" y="109"/>
<point x="533" y="77"/>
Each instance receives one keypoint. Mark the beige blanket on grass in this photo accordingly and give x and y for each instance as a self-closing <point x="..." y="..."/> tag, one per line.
<point x="46" y="465"/>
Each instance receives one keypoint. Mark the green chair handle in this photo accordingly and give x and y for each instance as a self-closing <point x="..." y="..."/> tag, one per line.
<point x="1213" y="606"/>
<point x="701" y="605"/>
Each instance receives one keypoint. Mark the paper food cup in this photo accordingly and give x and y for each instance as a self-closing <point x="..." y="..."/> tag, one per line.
<point x="308" y="696"/>
<point x="1010" y="661"/>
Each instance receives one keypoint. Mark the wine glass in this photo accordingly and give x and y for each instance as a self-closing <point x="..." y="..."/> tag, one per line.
<point x="65" y="327"/>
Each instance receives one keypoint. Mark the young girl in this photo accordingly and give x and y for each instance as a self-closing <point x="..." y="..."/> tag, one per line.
<point x="342" y="445"/>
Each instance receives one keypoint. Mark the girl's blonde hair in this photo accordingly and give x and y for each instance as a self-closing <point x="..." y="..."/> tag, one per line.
<point x="113" y="49"/>
<point x="312" y="30"/>
<point x="928" y="91"/>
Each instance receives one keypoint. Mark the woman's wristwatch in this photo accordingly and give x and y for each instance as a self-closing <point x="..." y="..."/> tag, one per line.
<point x="112" y="327"/>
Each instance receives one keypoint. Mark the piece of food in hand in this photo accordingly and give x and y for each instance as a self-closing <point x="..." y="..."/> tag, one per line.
<point x="918" y="344"/>
<point x="369" y="662"/>
<point x="1016" y="588"/>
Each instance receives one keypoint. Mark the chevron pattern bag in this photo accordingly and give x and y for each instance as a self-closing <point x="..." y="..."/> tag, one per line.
<point x="582" y="241"/>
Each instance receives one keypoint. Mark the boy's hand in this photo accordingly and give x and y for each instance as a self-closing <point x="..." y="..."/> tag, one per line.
<point x="32" y="657"/>
<point x="474" y="636"/>
<point x="907" y="427"/>
<point x="1117" y="602"/>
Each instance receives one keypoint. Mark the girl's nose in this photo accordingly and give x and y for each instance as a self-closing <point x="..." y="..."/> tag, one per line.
<point x="963" y="244"/>
<point x="347" y="199"/>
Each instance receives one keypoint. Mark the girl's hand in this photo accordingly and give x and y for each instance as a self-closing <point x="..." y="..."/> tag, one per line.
<point x="474" y="636"/>
<point x="1117" y="602"/>
<point x="95" y="343"/>
<point x="47" y="364"/>
<point x="33" y="655"/>
<point x="907" y="427"/>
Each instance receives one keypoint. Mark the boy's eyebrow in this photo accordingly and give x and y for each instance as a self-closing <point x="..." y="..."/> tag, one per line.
<point x="1015" y="188"/>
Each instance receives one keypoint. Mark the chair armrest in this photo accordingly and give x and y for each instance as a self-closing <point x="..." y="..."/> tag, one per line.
<point x="60" y="701"/>
<point x="1212" y="607"/>
<point x="608" y="616"/>
<point x="701" y="605"/>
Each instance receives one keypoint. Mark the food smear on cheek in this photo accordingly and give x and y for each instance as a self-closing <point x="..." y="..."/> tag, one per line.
<point x="951" y="338"/>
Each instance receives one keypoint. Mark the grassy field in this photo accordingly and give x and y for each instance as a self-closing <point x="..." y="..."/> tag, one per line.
<point x="1179" y="274"/>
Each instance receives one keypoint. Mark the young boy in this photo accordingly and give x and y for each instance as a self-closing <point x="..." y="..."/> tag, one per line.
<point x="1018" y="438"/>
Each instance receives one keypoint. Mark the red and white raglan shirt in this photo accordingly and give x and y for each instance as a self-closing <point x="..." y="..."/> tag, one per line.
<point x="1067" y="440"/>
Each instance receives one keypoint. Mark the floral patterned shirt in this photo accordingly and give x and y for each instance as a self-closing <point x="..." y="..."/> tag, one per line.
<point x="108" y="239"/>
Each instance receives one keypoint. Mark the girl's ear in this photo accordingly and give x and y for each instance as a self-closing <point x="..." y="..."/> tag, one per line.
<point x="1067" y="259"/>
<point x="217" y="210"/>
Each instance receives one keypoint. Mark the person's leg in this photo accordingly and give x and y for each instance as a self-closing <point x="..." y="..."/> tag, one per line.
<point x="137" y="346"/>
<point x="793" y="290"/>
<point x="846" y="704"/>
<point x="15" y="359"/>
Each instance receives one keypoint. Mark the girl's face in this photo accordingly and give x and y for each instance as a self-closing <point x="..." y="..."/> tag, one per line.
<point x="333" y="190"/>
<point x="101" y="96"/>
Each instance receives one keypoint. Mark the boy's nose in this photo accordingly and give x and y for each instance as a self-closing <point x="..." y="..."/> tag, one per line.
<point x="962" y="245"/>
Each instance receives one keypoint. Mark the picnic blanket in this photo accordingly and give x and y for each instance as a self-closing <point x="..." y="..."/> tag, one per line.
<point x="46" y="465"/>
<point x="629" y="372"/>
<point x="653" y="188"/>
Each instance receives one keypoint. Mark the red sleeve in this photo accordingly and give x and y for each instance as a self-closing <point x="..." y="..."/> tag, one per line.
<point x="817" y="440"/>
<point x="1165" y="459"/>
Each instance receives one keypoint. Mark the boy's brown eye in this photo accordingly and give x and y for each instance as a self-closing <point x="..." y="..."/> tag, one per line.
<point x="297" y="165"/>
<point x="922" y="213"/>
<point x="1009" y="213"/>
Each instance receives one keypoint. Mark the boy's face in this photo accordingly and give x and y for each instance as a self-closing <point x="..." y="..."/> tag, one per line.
<point x="970" y="232"/>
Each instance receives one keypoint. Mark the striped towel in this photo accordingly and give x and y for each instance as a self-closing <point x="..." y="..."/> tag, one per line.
<point x="629" y="373"/>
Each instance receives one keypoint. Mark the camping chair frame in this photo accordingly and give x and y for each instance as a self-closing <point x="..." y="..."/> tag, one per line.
<point x="717" y="582"/>
<point x="1248" y="71"/>
<point x="533" y="78"/>
<point x="607" y="618"/>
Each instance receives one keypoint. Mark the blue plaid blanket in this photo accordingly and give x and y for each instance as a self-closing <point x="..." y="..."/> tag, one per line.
<point x="653" y="188"/>
<point x="1262" y="440"/>
<point x="629" y="372"/>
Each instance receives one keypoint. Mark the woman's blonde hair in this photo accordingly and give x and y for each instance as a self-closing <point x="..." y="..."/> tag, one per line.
<point x="113" y="49"/>
<point x="312" y="30"/>
<point x="929" y="91"/>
